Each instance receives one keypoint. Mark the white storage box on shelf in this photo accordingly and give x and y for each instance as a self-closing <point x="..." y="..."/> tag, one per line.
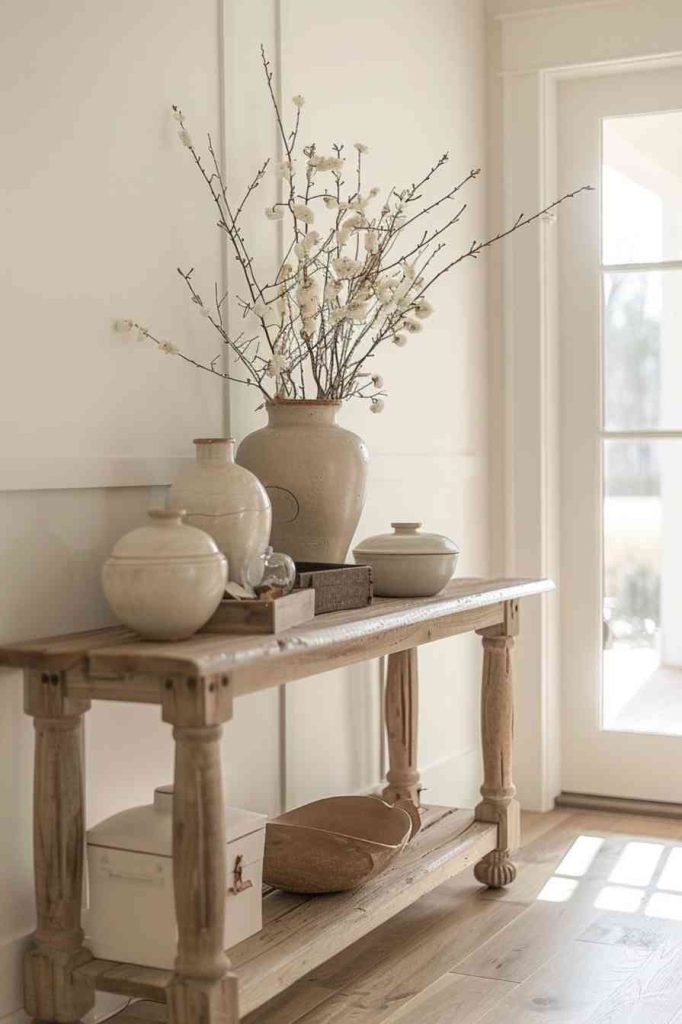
<point x="131" y="915"/>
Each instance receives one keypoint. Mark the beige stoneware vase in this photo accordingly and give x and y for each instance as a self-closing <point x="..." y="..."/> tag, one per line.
<point x="315" y="472"/>
<point x="226" y="501"/>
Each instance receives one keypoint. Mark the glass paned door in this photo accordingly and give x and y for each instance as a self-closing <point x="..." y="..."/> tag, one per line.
<point x="641" y="338"/>
<point x="620" y="298"/>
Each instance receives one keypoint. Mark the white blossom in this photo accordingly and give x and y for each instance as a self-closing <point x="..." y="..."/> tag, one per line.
<point x="357" y="310"/>
<point x="123" y="326"/>
<point x="330" y="202"/>
<point x="342" y="236"/>
<point x="326" y="163"/>
<point x="285" y="271"/>
<point x="332" y="290"/>
<point x="303" y="213"/>
<point x="338" y="314"/>
<point x="372" y="241"/>
<point x="422" y="308"/>
<point x="307" y="297"/>
<point x="377" y="405"/>
<point x="355" y="221"/>
<point x="274" y="212"/>
<point x="411" y="326"/>
<point x="204" y="312"/>
<point x="278" y="362"/>
<point x="400" y="340"/>
<point x="185" y="138"/>
<point x="168" y="347"/>
<point x="383" y="289"/>
<point x="298" y="100"/>
<point x="374" y="192"/>
<point x="361" y="147"/>
<point x="345" y="267"/>
<point x="377" y="380"/>
<point x="177" y="114"/>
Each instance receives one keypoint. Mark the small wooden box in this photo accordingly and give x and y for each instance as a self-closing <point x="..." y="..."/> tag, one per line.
<point x="337" y="587"/>
<point x="248" y="617"/>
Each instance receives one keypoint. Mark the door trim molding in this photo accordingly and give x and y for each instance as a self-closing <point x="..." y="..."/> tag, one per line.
<point x="618" y="805"/>
<point x="527" y="347"/>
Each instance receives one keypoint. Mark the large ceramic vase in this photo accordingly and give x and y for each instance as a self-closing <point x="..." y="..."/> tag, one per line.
<point x="226" y="501"/>
<point x="315" y="473"/>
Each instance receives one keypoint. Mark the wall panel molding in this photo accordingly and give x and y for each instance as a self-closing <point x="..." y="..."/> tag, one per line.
<point x="50" y="474"/>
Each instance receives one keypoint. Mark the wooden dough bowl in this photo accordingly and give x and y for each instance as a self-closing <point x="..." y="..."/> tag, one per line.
<point x="333" y="845"/>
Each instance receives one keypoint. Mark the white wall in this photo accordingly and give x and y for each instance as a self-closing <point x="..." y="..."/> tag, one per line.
<point x="99" y="206"/>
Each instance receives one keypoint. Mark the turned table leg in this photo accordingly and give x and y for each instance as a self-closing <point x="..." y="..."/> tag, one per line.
<point x="401" y="704"/>
<point x="498" y="804"/>
<point x="202" y="991"/>
<point x="51" y="993"/>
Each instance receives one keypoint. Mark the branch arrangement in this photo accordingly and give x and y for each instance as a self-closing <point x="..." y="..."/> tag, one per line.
<point x="356" y="271"/>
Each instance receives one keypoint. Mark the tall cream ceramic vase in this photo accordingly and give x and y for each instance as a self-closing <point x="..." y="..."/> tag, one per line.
<point x="315" y="473"/>
<point x="226" y="501"/>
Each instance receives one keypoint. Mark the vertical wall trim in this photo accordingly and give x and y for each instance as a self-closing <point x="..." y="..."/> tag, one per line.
<point x="279" y="57"/>
<point x="222" y="19"/>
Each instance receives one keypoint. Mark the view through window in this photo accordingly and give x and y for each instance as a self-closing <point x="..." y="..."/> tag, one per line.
<point x="642" y="422"/>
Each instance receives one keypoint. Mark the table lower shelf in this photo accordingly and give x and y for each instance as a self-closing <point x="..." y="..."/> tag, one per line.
<point x="299" y="933"/>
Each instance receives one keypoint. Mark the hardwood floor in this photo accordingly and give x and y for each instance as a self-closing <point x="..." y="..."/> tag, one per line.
<point x="592" y="938"/>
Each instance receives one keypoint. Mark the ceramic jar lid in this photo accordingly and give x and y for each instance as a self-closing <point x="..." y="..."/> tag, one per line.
<point x="406" y="540"/>
<point x="167" y="538"/>
<point x="149" y="829"/>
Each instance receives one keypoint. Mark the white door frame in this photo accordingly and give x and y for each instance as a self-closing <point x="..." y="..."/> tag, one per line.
<point x="526" y="347"/>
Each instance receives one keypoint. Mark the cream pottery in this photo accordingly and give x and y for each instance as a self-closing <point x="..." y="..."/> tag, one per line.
<point x="166" y="579"/>
<point x="227" y="502"/>
<point x="407" y="563"/>
<point x="315" y="473"/>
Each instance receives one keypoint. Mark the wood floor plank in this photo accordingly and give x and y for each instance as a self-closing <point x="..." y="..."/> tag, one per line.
<point x="534" y="937"/>
<point x="290" y="1006"/>
<point x="571" y="986"/>
<point x="653" y="995"/>
<point x="453" y="999"/>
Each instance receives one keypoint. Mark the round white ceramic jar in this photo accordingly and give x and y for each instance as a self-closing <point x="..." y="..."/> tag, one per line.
<point x="407" y="563"/>
<point x="166" y="579"/>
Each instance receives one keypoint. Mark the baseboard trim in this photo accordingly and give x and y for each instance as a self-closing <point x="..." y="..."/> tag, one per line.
<point x="621" y="805"/>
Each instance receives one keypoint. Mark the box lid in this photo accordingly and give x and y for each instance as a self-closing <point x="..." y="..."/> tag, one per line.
<point x="149" y="828"/>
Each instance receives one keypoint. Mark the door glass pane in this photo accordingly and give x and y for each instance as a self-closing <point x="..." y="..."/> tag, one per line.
<point x="642" y="188"/>
<point x="642" y="679"/>
<point x="643" y="350"/>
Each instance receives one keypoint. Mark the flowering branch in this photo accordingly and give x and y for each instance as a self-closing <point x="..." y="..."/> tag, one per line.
<point x="342" y="290"/>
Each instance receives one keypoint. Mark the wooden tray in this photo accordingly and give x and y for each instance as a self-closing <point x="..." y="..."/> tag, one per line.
<point x="244" y="617"/>
<point x="337" y="587"/>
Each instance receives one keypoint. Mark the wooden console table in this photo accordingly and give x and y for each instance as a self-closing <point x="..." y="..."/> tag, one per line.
<point x="195" y="683"/>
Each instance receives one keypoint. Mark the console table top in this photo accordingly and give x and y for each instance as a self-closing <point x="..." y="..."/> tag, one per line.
<point x="256" y="662"/>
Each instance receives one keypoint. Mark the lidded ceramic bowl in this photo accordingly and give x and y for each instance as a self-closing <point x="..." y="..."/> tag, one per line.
<point x="166" y="579"/>
<point x="407" y="563"/>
